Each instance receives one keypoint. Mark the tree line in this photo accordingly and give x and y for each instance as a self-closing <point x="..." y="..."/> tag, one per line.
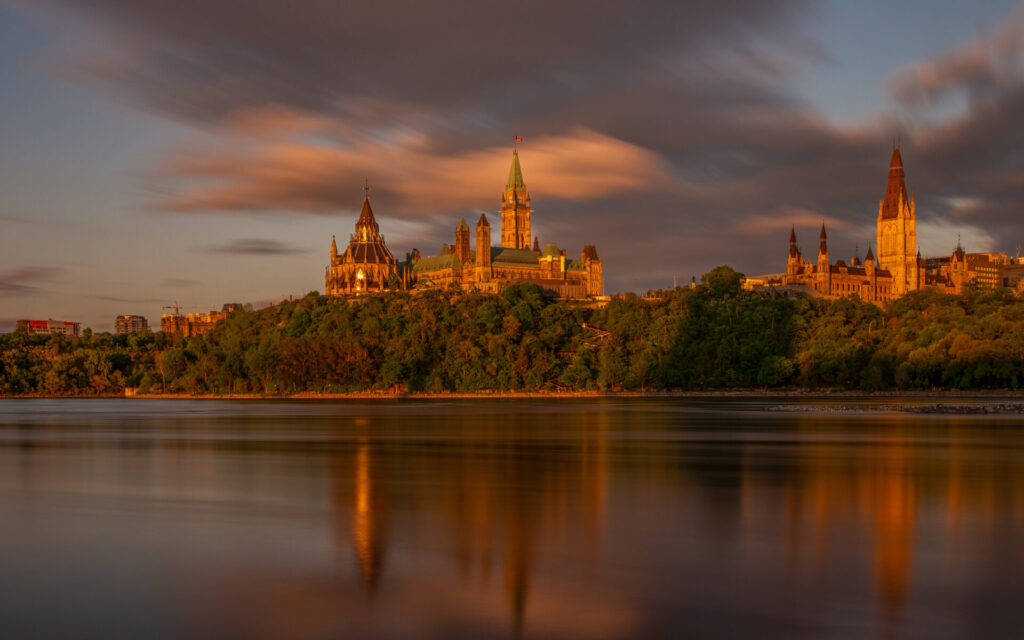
<point x="714" y="336"/>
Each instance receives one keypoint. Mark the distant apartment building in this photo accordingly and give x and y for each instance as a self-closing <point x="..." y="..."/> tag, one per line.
<point x="50" y="327"/>
<point x="194" y="324"/>
<point x="129" y="324"/>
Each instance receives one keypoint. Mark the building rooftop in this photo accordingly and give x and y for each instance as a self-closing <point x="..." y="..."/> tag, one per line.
<point x="504" y="255"/>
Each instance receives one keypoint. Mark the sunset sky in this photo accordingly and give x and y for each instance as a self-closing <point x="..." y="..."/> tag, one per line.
<point x="205" y="152"/>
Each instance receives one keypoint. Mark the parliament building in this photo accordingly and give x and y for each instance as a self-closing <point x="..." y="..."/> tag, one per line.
<point x="898" y="267"/>
<point x="472" y="264"/>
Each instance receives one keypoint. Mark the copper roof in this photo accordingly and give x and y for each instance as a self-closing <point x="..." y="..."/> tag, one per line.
<point x="504" y="255"/>
<point x="515" y="175"/>
<point x="367" y="246"/>
<point x="371" y="252"/>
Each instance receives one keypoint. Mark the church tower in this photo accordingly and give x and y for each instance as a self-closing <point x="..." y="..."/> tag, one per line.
<point x="897" y="231"/>
<point x="515" y="209"/>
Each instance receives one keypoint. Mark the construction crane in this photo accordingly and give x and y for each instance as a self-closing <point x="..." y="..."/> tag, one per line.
<point x="175" y="306"/>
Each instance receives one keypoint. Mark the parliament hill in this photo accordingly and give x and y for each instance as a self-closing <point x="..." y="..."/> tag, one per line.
<point x="472" y="262"/>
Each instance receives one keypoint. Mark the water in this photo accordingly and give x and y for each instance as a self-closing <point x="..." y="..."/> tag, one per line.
<point x="544" y="519"/>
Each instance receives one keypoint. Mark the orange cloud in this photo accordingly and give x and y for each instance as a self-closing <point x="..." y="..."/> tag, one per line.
<point x="789" y="217"/>
<point x="274" y="171"/>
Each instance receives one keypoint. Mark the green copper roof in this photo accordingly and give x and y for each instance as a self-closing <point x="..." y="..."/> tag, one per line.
<point x="515" y="175"/>
<point x="551" y="250"/>
<point x="437" y="263"/>
<point x="502" y="255"/>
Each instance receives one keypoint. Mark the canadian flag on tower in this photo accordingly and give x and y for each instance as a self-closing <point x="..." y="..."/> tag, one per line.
<point x="518" y="139"/>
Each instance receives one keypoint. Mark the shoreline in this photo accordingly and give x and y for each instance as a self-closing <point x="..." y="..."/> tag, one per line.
<point x="512" y="395"/>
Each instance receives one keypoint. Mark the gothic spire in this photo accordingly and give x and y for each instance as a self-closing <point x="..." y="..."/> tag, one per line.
<point x="896" y="190"/>
<point x="515" y="175"/>
<point x="823" y="247"/>
<point x="366" y="220"/>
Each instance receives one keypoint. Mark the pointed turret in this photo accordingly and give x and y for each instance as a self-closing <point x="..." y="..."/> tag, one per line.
<point x="823" y="271"/>
<point x="536" y="245"/>
<point x="367" y="227"/>
<point x="870" y="257"/>
<point x="483" y="249"/>
<point x="462" y="241"/>
<point x="793" y="251"/>
<point x="334" y="247"/>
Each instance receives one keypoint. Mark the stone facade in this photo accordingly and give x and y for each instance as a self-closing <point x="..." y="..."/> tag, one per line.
<point x="864" y="279"/>
<point x="472" y="262"/>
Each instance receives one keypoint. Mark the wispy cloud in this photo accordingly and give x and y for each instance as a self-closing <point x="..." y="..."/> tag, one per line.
<point x="107" y="298"/>
<point x="24" y="281"/>
<point x="178" y="282"/>
<point x="579" y="165"/>
<point x="254" y="247"/>
<point x="982" y="68"/>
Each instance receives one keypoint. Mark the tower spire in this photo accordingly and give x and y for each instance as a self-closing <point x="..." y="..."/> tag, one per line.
<point x="515" y="174"/>
<point x="896" y="190"/>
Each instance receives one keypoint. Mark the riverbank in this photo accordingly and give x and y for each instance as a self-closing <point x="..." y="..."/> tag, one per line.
<point x="387" y="395"/>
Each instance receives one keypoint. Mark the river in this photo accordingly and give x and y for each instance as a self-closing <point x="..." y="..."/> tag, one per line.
<point x="573" y="518"/>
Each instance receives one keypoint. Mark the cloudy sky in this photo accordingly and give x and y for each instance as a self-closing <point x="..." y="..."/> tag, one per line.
<point x="204" y="152"/>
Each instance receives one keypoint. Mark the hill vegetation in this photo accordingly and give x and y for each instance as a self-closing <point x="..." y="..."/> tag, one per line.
<point x="711" y="337"/>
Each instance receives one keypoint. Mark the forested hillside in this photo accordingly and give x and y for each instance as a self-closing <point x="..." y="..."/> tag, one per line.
<point x="711" y="337"/>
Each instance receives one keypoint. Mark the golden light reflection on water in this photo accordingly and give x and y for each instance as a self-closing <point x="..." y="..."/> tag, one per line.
<point x="606" y="520"/>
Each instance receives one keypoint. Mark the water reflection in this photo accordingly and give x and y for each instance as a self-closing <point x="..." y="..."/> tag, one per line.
<point x="589" y="520"/>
